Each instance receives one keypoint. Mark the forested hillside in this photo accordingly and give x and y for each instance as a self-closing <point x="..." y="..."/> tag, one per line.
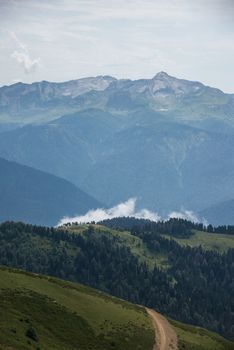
<point x="192" y="285"/>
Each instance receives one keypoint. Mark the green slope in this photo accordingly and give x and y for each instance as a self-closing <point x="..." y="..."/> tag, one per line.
<point x="209" y="241"/>
<point x="196" y="338"/>
<point x="38" y="312"/>
<point x="118" y="263"/>
<point x="136" y="245"/>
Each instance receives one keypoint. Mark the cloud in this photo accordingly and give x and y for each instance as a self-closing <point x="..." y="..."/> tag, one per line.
<point x="22" y="56"/>
<point x="127" y="208"/>
<point x="21" y="45"/>
<point x="29" y="65"/>
<point x="187" y="215"/>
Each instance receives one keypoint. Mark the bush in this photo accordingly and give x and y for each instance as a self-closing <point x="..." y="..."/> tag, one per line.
<point x="31" y="333"/>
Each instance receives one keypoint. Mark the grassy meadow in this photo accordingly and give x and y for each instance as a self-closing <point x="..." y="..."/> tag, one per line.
<point x="38" y="312"/>
<point x="210" y="241"/>
<point x="196" y="338"/>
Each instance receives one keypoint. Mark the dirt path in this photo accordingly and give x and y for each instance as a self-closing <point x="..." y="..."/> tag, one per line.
<point x="165" y="336"/>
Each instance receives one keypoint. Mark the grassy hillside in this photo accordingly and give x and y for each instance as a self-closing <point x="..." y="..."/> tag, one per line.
<point x="136" y="245"/>
<point x="38" y="312"/>
<point x="122" y="264"/>
<point x="209" y="241"/>
<point x="196" y="338"/>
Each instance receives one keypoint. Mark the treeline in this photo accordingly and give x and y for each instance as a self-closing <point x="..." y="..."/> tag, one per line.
<point x="196" y="288"/>
<point x="174" y="226"/>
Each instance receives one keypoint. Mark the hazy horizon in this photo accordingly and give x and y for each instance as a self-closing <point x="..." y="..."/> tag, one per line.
<point x="66" y="40"/>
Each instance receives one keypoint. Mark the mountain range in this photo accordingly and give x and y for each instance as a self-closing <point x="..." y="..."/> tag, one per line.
<point x="167" y="141"/>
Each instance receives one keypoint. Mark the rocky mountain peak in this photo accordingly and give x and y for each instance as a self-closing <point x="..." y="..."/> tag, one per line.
<point x="162" y="75"/>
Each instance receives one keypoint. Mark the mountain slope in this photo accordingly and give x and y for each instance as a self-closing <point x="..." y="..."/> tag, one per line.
<point x="46" y="313"/>
<point x="33" y="196"/>
<point x="210" y="241"/>
<point x="165" y="164"/>
<point x="43" y="101"/>
<point x="196" y="338"/>
<point x="67" y="147"/>
<point x="142" y="267"/>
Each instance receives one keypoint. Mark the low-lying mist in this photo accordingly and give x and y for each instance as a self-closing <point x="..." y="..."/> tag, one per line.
<point x="128" y="208"/>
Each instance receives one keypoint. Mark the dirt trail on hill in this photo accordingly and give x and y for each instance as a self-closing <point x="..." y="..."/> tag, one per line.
<point x="165" y="336"/>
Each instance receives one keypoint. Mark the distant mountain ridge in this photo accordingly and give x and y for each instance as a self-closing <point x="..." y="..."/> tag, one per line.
<point x="164" y="93"/>
<point x="167" y="141"/>
<point x="22" y="100"/>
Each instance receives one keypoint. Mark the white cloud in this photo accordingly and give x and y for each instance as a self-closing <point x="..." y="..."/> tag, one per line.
<point x="186" y="215"/>
<point x="127" y="208"/>
<point x="29" y="65"/>
<point x="21" y="45"/>
<point x="22" y="56"/>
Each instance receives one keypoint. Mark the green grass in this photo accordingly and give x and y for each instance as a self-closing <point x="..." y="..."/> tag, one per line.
<point x="209" y="241"/>
<point x="196" y="338"/>
<point x="44" y="313"/>
<point x="65" y="315"/>
<point x="135" y="244"/>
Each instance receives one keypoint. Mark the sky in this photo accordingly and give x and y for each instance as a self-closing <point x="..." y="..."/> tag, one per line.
<point x="59" y="40"/>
